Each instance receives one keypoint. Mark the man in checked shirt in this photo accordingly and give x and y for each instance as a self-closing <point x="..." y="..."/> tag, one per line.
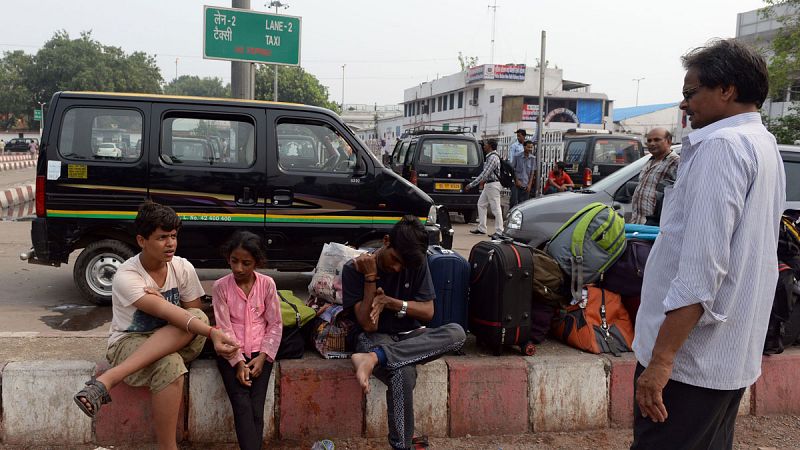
<point x="662" y="168"/>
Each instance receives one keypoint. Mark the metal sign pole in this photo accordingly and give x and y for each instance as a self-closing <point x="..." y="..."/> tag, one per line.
<point x="540" y="121"/>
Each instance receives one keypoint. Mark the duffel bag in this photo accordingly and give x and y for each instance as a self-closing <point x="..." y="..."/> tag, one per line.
<point x="548" y="281"/>
<point x="626" y="275"/>
<point x="598" y="324"/>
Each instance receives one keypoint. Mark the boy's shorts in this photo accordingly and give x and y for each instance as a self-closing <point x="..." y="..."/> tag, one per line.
<point x="163" y="372"/>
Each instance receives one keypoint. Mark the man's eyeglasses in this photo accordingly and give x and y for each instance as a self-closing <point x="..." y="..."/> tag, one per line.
<point x="689" y="93"/>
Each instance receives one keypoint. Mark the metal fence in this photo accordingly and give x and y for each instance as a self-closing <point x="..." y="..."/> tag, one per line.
<point x="552" y="151"/>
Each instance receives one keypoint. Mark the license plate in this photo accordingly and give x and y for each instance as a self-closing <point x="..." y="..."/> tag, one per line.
<point x="447" y="186"/>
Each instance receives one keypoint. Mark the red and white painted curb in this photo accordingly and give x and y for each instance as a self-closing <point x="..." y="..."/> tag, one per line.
<point x="18" y="157"/>
<point x="17" y="195"/>
<point x="14" y="165"/>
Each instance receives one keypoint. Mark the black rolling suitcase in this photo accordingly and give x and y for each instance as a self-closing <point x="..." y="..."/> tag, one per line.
<point x="500" y="295"/>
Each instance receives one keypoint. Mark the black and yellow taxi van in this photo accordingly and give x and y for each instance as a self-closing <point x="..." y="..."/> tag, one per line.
<point x="294" y="174"/>
<point x="591" y="155"/>
<point x="441" y="162"/>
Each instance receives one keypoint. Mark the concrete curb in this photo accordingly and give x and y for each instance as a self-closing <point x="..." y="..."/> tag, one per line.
<point x="17" y="195"/>
<point x="314" y="398"/>
<point x="14" y="165"/>
<point x="19" y="157"/>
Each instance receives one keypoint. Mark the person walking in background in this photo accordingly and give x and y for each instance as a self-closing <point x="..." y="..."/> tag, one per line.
<point x="247" y="307"/>
<point x="711" y="275"/>
<point x="490" y="196"/>
<point x="525" y="174"/>
<point x="662" y="169"/>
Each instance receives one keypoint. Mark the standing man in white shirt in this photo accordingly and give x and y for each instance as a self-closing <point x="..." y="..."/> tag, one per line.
<point x="710" y="278"/>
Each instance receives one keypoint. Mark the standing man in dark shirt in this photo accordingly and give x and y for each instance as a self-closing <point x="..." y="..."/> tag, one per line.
<point x="391" y="291"/>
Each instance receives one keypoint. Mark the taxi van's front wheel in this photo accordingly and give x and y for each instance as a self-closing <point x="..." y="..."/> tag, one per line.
<point x="95" y="268"/>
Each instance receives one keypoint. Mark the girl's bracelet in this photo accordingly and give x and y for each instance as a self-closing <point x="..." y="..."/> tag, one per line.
<point x="187" y="322"/>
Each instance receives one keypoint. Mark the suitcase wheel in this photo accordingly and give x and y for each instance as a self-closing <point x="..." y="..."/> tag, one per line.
<point x="497" y="350"/>
<point x="528" y="348"/>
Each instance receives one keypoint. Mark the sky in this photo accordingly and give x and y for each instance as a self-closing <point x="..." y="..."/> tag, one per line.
<point x="387" y="47"/>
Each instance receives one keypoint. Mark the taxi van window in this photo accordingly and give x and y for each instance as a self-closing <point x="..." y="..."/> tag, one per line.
<point x="101" y="134"/>
<point x="313" y="146"/>
<point x="575" y="152"/>
<point x="449" y="152"/>
<point x="615" y="151"/>
<point x="207" y="141"/>
<point x="400" y="156"/>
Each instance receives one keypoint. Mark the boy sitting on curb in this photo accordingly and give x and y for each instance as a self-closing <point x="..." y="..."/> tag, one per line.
<point x="155" y="298"/>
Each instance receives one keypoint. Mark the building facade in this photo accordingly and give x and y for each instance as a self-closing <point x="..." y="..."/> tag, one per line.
<point x="496" y="100"/>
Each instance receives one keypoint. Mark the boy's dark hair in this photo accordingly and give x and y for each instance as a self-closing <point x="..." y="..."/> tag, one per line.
<point x="152" y="215"/>
<point x="561" y="165"/>
<point x="250" y="242"/>
<point x="728" y="62"/>
<point x="493" y="144"/>
<point x="525" y="144"/>
<point x="522" y="132"/>
<point x="410" y="241"/>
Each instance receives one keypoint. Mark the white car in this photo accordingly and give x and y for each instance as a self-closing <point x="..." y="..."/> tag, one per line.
<point x="108" y="149"/>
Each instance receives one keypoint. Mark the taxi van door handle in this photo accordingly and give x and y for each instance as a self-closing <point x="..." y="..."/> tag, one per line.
<point x="246" y="198"/>
<point x="282" y="197"/>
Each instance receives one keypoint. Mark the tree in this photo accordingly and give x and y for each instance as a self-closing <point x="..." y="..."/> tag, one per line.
<point x="15" y="96"/>
<point x="199" y="87"/>
<point x="467" y="61"/>
<point x="294" y="85"/>
<point x="85" y="64"/>
<point x="787" y="128"/>
<point x="784" y="66"/>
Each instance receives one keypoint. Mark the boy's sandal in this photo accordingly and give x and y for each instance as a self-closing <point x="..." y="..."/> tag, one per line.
<point x="95" y="393"/>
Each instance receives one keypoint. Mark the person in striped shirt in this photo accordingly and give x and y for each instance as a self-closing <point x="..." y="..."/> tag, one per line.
<point x="711" y="275"/>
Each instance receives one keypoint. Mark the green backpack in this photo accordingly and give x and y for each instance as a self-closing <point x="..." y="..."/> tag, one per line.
<point x="588" y="244"/>
<point x="294" y="313"/>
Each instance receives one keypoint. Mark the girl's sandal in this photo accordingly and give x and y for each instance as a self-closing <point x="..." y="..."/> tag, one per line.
<point x="95" y="393"/>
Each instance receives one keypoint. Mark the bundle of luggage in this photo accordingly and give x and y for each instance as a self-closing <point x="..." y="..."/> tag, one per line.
<point x="783" y="329"/>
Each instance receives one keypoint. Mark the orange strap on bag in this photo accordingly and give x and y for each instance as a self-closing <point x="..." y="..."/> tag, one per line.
<point x="599" y="324"/>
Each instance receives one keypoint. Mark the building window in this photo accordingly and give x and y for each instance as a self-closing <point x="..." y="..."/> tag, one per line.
<point x="452" y="98"/>
<point x="444" y="102"/>
<point x="405" y="110"/>
<point x="491" y="99"/>
<point x="460" y="99"/>
<point x="475" y="96"/>
<point x="431" y="105"/>
<point x="440" y="103"/>
<point x="414" y="109"/>
<point x="474" y="128"/>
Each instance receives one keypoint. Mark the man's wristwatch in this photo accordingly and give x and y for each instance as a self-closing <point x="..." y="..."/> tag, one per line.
<point x="403" y="310"/>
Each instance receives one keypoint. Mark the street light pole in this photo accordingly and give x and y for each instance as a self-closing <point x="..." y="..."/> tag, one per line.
<point x="343" y="66"/>
<point x="637" y="80"/>
<point x="276" y="4"/>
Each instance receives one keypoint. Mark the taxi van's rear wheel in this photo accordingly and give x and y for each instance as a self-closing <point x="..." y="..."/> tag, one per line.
<point x="95" y="268"/>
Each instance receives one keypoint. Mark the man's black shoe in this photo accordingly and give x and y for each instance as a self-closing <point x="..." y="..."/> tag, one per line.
<point x="476" y="232"/>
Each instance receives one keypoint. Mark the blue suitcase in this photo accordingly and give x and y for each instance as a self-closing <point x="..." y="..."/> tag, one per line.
<point x="450" y="273"/>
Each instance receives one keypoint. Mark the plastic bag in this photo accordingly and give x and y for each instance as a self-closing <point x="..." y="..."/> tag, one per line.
<point x="327" y="280"/>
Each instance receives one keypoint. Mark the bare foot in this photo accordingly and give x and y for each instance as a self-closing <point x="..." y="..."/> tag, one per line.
<point x="364" y="363"/>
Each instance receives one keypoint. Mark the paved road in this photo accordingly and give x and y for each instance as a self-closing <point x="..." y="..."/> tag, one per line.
<point x="11" y="178"/>
<point x="44" y="299"/>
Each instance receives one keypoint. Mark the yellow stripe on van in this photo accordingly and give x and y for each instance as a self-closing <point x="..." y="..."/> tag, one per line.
<point x="232" y="217"/>
<point x="182" y="97"/>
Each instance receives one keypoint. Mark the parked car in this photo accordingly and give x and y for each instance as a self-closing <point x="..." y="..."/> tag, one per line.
<point x="279" y="180"/>
<point x="20" y="145"/>
<point x="108" y="150"/>
<point x="536" y="221"/>
<point x="591" y="155"/>
<point x="441" y="163"/>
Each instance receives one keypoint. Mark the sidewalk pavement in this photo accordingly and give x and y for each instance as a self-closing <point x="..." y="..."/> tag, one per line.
<point x="558" y="389"/>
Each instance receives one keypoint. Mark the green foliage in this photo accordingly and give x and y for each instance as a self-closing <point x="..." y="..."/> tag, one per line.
<point x="295" y="85"/>
<point x="465" y="62"/>
<point x="787" y="128"/>
<point x="198" y="87"/>
<point x="63" y="64"/>
<point x="784" y="65"/>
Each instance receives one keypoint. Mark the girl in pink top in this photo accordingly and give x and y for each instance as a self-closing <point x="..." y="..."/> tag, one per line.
<point x="247" y="307"/>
